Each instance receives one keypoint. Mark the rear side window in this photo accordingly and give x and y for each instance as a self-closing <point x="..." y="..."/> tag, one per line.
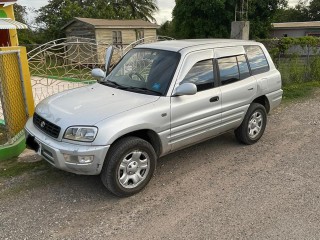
<point x="228" y="69"/>
<point x="257" y="60"/>
<point x="232" y="69"/>
<point x="201" y="74"/>
<point x="243" y="67"/>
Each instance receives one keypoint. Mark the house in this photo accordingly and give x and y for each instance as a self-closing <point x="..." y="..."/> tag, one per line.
<point x="296" y="29"/>
<point x="117" y="32"/>
<point x="120" y="33"/>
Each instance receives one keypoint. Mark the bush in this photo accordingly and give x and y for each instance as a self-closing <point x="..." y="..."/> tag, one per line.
<point x="296" y="58"/>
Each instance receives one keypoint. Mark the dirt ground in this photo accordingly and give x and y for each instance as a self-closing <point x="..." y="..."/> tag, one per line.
<point x="218" y="189"/>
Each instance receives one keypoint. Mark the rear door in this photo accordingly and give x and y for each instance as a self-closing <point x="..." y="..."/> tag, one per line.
<point x="196" y="117"/>
<point x="238" y="87"/>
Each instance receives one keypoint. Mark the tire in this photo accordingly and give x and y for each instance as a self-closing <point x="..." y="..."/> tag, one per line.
<point x="129" y="166"/>
<point x="253" y="125"/>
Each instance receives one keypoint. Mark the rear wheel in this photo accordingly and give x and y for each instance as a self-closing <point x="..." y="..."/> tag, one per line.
<point x="253" y="124"/>
<point x="129" y="166"/>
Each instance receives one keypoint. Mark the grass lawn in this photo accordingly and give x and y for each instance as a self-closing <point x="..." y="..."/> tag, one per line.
<point x="72" y="72"/>
<point x="299" y="90"/>
<point x="10" y="168"/>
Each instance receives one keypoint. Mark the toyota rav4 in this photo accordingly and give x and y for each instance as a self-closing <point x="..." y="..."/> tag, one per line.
<point x="159" y="98"/>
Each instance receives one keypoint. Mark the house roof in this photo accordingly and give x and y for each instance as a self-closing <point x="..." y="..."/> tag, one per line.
<point x="297" y="25"/>
<point x="107" y="23"/>
<point x="8" y="23"/>
<point x="7" y="2"/>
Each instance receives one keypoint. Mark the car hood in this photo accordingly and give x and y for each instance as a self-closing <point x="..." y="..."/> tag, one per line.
<point x="89" y="105"/>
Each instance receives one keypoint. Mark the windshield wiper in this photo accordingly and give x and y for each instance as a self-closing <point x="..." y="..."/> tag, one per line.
<point x="112" y="84"/>
<point x="136" y="89"/>
<point x="143" y="90"/>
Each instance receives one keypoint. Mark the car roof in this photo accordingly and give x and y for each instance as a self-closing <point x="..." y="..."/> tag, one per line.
<point x="195" y="44"/>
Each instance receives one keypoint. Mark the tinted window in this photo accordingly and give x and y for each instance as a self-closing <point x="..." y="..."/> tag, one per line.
<point x="201" y="74"/>
<point x="228" y="69"/>
<point x="257" y="60"/>
<point x="243" y="67"/>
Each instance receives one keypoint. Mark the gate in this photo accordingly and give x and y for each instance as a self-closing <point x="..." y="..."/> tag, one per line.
<point x="66" y="63"/>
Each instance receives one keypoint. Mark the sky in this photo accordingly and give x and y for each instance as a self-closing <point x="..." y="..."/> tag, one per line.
<point x="164" y="14"/>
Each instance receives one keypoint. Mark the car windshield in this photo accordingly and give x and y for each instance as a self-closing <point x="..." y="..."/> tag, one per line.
<point x="148" y="71"/>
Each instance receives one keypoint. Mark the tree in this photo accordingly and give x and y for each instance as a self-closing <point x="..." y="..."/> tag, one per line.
<point x="299" y="13"/>
<point x="201" y="18"/>
<point x="314" y="10"/>
<point x="57" y="13"/>
<point x="135" y="9"/>
<point x="166" y="29"/>
<point x="261" y="16"/>
<point x="26" y="36"/>
<point x="20" y="13"/>
<point x="212" y="18"/>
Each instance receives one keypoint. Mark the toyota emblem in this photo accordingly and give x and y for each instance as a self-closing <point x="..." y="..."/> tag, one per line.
<point x="42" y="124"/>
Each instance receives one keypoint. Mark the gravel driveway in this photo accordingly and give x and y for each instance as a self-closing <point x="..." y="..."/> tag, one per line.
<point x="218" y="189"/>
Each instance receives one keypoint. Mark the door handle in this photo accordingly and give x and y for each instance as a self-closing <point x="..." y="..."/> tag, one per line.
<point x="214" y="99"/>
<point x="250" y="89"/>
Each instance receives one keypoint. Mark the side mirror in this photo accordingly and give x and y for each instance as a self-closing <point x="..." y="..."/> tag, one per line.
<point x="109" y="53"/>
<point x="98" y="73"/>
<point x="186" y="89"/>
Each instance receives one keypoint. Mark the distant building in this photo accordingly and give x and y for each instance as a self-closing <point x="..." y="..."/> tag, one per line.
<point x="296" y="29"/>
<point x="117" y="32"/>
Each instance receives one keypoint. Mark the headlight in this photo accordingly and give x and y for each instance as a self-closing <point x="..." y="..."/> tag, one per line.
<point x="81" y="134"/>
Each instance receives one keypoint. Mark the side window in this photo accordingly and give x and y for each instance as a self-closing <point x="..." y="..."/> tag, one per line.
<point x="228" y="69"/>
<point x="257" y="60"/>
<point x="201" y="74"/>
<point x="243" y="67"/>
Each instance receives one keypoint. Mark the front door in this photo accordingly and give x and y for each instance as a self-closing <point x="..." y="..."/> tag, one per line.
<point x="196" y="117"/>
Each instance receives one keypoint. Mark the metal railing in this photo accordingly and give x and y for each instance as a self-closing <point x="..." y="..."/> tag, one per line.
<point x="66" y="63"/>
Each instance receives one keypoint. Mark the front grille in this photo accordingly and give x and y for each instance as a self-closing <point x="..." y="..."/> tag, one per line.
<point x="46" y="126"/>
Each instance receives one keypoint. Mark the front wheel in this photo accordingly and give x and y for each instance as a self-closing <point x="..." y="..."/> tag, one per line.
<point x="253" y="125"/>
<point x="129" y="166"/>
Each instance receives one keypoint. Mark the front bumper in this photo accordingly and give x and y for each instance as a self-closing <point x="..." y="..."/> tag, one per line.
<point x="53" y="152"/>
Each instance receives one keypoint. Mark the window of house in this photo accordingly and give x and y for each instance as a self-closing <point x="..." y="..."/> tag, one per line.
<point x="313" y="34"/>
<point x="201" y="74"/>
<point x="116" y="37"/>
<point x="257" y="60"/>
<point x="140" y="34"/>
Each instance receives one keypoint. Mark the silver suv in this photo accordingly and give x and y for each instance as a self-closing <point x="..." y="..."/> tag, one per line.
<point x="159" y="98"/>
